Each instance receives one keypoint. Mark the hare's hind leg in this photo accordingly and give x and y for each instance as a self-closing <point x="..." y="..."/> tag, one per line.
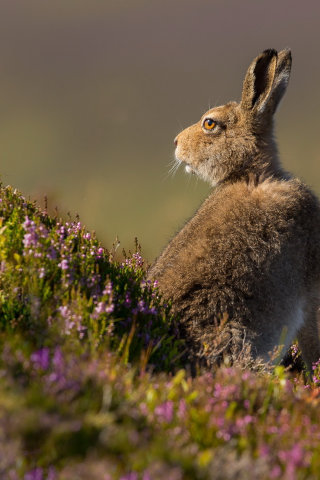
<point x="308" y="337"/>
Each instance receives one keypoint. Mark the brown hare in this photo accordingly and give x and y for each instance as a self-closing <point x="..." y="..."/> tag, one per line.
<point x="251" y="253"/>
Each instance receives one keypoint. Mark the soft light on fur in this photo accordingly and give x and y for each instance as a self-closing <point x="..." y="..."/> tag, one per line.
<point x="252" y="250"/>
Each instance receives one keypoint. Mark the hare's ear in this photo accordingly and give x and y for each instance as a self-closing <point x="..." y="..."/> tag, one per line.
<point x="266" y="81"/>
<point x="281" y="80"/>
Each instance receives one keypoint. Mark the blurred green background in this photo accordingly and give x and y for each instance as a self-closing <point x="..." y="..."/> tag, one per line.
<point x="93" y="92"/>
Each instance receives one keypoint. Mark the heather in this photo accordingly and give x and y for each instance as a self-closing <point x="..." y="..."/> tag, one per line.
<point x="94" y="380"/>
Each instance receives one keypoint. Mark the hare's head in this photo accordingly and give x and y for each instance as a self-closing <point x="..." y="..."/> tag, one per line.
<point x="236" y="139"/>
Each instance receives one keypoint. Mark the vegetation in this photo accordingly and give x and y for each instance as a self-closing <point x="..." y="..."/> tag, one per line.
<point x="92" y="384"/>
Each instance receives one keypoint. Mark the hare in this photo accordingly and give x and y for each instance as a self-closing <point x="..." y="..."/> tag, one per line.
<point x="251" y="253"/>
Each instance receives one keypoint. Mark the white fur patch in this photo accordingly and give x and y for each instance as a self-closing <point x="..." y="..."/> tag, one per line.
<point x="295" y="320"/>
<point x="292" y="322"/>
<point x="189" y="169"/>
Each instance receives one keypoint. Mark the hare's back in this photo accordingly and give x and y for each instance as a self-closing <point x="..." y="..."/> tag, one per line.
<point x="244" y="236"/>
<point x="276" y="220"/>
<point x="251" y="252"/>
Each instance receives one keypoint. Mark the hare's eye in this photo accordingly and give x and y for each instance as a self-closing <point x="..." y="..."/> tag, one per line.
<point x="209" y="124"/>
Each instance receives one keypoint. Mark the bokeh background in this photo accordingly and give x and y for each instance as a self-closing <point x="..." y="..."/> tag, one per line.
<point x="93" y="92"/>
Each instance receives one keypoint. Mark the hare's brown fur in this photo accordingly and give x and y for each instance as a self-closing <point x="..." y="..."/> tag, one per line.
<point x="252" y="250"/>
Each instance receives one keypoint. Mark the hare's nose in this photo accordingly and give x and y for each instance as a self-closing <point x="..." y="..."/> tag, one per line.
<point x="176" y="141"/>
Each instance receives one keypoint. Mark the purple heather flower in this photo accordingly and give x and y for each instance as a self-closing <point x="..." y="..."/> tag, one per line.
<point x="34" y="474"/>
<point x="272" y="429"/>
<point x="182" y="409"/>
<point x="27" y="240"/>
<point x="294" y="350"/>
<point x="64" y="264"/>
<point x="30" y="239"/>
<point x="51" y="473"/>
<point x="69" y="324"/>
<point x="130" y="476"/>
<point x="99" y="253"/>
<point x="108" y="289"/>
<point x="293" y="458"/>
<point x="64" y="311"/>
<point x="165" y="411"/>
<point x="40" y="358"/>
<point x="138" y="259"/>
<point x="100" y="307"/>
<point x="52" y="254"/>
<point x="127" y="300"/>
<point x="58" y="358"/>
<point x="275" y="472"/>
<point x="142" y="306"/>
<point x="44" y="231"/>
<point x="42" y="272"/>
<point x="80" y="328"/>
<point x="144" y="409"/>
<point x="264" y="450"/>
<point x="71" y="321"/>
<point x="87" y="236"/>
<point x="110" y="308"/>
<point x="27" y="223"/>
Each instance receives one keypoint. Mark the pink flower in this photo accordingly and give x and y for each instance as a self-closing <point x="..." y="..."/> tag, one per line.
<point x="108" y="289"/>
<point x="130" y="476"/>
<point x="165" y="411"/>
<point x="40" y="358"/>
<point x="275" y="472"/>
<point x="100" y="307"/>
<point x="42" y="272"/>
<point x="182" y="409"/>
<point x="110" y="308"/>
<point x="63" y="264"/>
<point x="65" y="312"/>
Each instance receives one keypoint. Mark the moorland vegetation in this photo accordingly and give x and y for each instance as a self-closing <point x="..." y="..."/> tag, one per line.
<point x="94" y="379"/>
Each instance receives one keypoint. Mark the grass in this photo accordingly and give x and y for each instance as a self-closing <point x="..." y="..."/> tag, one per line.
<point x="92" y="380"/>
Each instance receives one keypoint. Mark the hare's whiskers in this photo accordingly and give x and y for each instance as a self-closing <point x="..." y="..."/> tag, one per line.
<point x="173" y="170"/>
